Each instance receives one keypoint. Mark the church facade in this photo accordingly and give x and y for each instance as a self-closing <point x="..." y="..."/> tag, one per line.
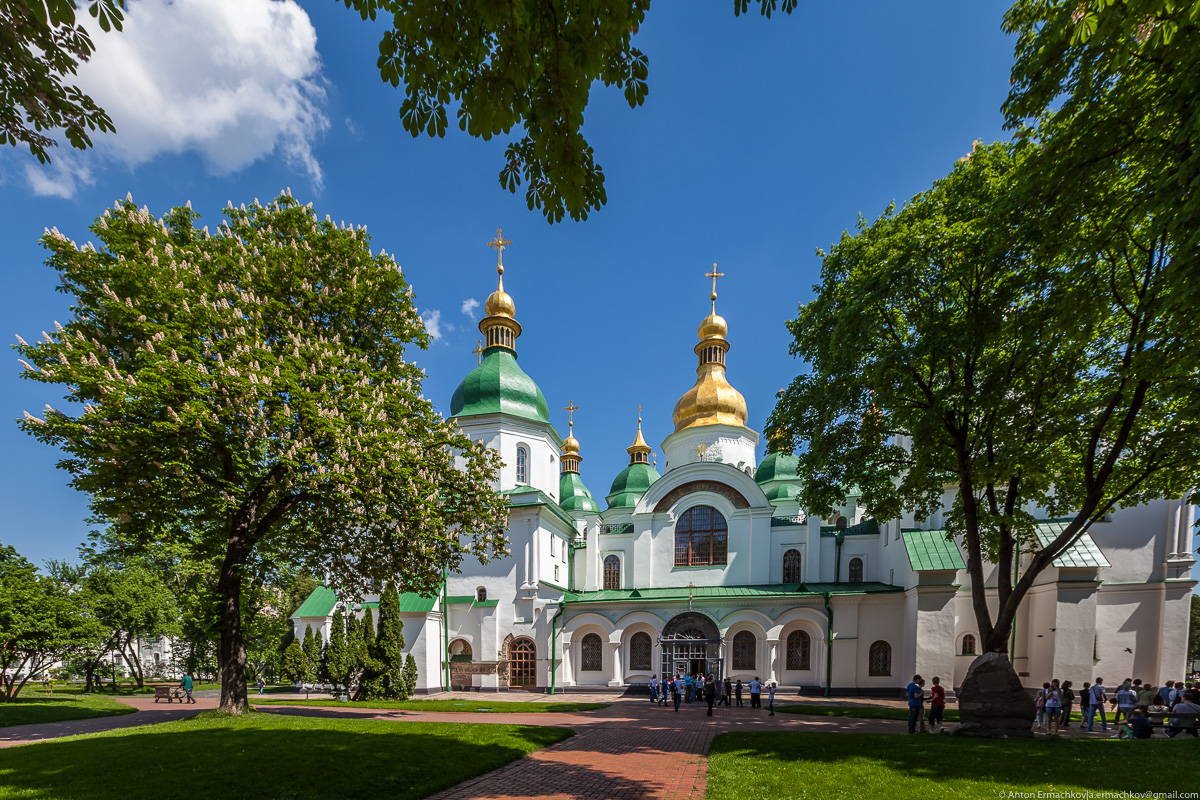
<point x="713" y="566"/>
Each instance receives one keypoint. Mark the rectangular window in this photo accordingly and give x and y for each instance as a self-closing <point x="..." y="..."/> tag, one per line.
<point x="552" y="538"/>
<point x="556" y="573"/>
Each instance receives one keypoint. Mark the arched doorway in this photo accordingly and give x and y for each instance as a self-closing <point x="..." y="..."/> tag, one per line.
<point x="522" y="663"/>
<point x="691" y="644"/>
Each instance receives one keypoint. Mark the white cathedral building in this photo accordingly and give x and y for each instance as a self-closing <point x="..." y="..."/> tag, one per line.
<point x="713" y="566"/>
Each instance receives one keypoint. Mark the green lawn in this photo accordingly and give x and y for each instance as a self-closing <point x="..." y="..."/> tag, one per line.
<point x="859" y="712"/>
<point x="215" y="757"/>
<point x="35" y="705"/>
<point x="498" y="706"/>
<point x="771" y="765"/>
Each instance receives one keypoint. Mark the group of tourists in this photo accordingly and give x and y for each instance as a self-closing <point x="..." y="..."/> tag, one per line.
<point x="705" y="688"/>
<point x="1137" y="706"/>
<point x="915" y="692"/>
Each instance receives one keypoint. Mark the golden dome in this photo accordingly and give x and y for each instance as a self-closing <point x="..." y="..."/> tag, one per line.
<point x="713" y="327"/>
<point x="639" y="451"/>
<point x="500" y="304"/>
<point x="711" y="401"/>
<point x="570" y="446"/>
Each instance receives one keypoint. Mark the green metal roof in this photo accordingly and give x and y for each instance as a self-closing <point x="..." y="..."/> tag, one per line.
<point x="460" y="599"/>
<point x="1083" y="553"/>
<point x="777" y="467"/>
<point x="411" y="603"/>
<point x="499" y="386"/>
<point x="630" y="484"/>
<point x="524" y="496"/>
<point x="317" y="604"/>
<point x="783" y="491"/>
<point x="929" y="550"/>
<point x="868" y="527"/>
<point x="769" y="591"/>
<point x="574" y="496"/>
<point x="486" y="603"/>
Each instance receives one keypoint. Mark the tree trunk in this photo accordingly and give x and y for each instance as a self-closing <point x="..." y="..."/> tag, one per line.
<point x="231" y="661"/>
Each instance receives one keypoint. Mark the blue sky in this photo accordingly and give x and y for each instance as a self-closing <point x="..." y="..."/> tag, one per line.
<point x="760" y="141"/>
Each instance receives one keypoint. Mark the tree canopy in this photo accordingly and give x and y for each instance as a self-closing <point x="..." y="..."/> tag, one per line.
<point x="41" y="44"/>
<point x="971" y="343"/>
<point x="520" y="66"/>
<point x="245" y="393"/>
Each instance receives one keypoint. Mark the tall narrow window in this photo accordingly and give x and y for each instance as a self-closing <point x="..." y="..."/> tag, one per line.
<point x="639" y="651"/>
<point x="791" y="566"/>
<point x="593" y="654"/>
<point x="798" y="646"/>
<point x="744" y="646"/>
<point x="856" y="570"/>
<point x="612" y="572"/>
<point x="701" y="538"/>
<point x="522" y="465"/>
<point x="841" y="523"/>
<point x="968" y="647"/>
<point x="879" y="659"/>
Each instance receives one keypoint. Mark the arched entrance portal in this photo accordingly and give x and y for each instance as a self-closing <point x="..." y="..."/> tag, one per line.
<point x="691" y="645"/>
<point x="522" y="663"/>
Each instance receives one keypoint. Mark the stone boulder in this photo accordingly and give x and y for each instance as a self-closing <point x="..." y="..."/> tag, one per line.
<point x="992" y="702"/>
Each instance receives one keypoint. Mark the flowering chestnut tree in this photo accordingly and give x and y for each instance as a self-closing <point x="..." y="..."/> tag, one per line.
<point x="246" y="392"/>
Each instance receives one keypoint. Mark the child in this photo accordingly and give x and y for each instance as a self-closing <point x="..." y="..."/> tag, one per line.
<point x="937" y="704"/>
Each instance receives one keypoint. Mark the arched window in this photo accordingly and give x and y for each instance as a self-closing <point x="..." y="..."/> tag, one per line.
<point x="856" y="570"/>
<point x="701" y="538"/>
<point x="612" y="572"/>
<point x="798" y="648"/>
<point x="968" y="645"/>
<point x="593" y="654"/>
<point x="481" y="595"/>
<point x="744" y="647"/>
<point x="841" y="523"/>
<point x="639" y="651"/>
<point x="791" y="566"/>
<point x="522" y="465"/>
<point x="879" y="661"/>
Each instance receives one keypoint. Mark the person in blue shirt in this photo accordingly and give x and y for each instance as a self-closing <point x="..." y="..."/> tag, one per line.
<point x="915" y="695"/>
<point x="687" y="688"/>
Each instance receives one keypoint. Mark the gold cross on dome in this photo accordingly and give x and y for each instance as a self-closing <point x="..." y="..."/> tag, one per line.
<point x="499" y="243"/>
<point x="570" y="408"/>
<point x="478" y="351"/>
<point x="714" y="275"/>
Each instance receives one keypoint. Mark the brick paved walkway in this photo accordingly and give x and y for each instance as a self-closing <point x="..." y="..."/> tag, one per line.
<point x="628" y="751"/>
<point x="148" y="713"/>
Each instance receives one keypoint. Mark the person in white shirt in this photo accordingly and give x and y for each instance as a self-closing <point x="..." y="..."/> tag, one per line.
<point x="755" y="693"/>
<point x="1097" y="697"/>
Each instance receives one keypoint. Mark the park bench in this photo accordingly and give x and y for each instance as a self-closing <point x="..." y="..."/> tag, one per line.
<point x="168" y="693"/>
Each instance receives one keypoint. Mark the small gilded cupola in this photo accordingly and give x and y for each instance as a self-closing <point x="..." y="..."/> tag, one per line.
<point x="499" y="325"/>
<point x="573" y="494"/>
<point x="712" y="400"/>
<point x="633" y="481"/>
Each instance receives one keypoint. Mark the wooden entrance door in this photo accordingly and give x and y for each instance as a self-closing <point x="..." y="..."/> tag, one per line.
<point x="522" y="664"/>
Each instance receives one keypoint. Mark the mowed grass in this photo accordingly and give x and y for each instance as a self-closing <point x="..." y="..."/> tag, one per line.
<point x="498" y="706"/>
<point x="36" y="705"/>
<point x="260" y="755"/>
<point x="773" y="765"/>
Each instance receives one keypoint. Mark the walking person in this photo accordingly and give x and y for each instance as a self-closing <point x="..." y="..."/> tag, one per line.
<point x="915" y="696"/>
<point x="755" y="693"/>
<point x="771" y="699"/>
<point x="1085" y="702"/>
<point x="186" y="685"/>
<point x="728" y="691"/>
<point x="676" y="692"/>
<point x="688" y="686"/>
<point x="262" y="684"/>
<point x="653" y="689"/>
<point x="1096" y="698"/>
<point x="720" y="690"/>
<point x="937" y="705"/>
<point x="710" y="693"/>
<point x="1039" y="703"/>
<point x="738" y="690"/>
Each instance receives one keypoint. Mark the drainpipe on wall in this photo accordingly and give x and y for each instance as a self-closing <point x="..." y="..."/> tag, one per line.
<point x="838" y="539"/>
<point x="554" y="645"/>
<point x="446" y="627"/>
<point x="828" y="644"/>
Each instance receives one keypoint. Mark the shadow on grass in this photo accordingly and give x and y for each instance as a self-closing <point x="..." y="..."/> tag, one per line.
<point x="758" y="763"/>
<point x="34" y="708"/>
<point x="213" y="756"/>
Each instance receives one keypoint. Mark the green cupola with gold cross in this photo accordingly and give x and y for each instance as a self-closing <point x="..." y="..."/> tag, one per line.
<point x="498" y="385"/>
<point x="573" y="495"/>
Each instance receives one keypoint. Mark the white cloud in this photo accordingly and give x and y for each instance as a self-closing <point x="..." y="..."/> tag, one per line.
<point x="232" y="80"/>
<point x="469" y="305"/>
<point x="68" y="171"/>
<point x="433" y="323"/>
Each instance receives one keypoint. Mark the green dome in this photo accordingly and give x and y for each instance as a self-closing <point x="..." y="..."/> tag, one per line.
<point x="629" y="486"/>
<point x="784" y="491"/>
<point x="499" y="386"/>
<point x="778" y="467"/>
<point x="574" y="495"/>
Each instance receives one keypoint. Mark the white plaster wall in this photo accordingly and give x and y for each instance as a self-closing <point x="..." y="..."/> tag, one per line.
<point x="737" y="445"/>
